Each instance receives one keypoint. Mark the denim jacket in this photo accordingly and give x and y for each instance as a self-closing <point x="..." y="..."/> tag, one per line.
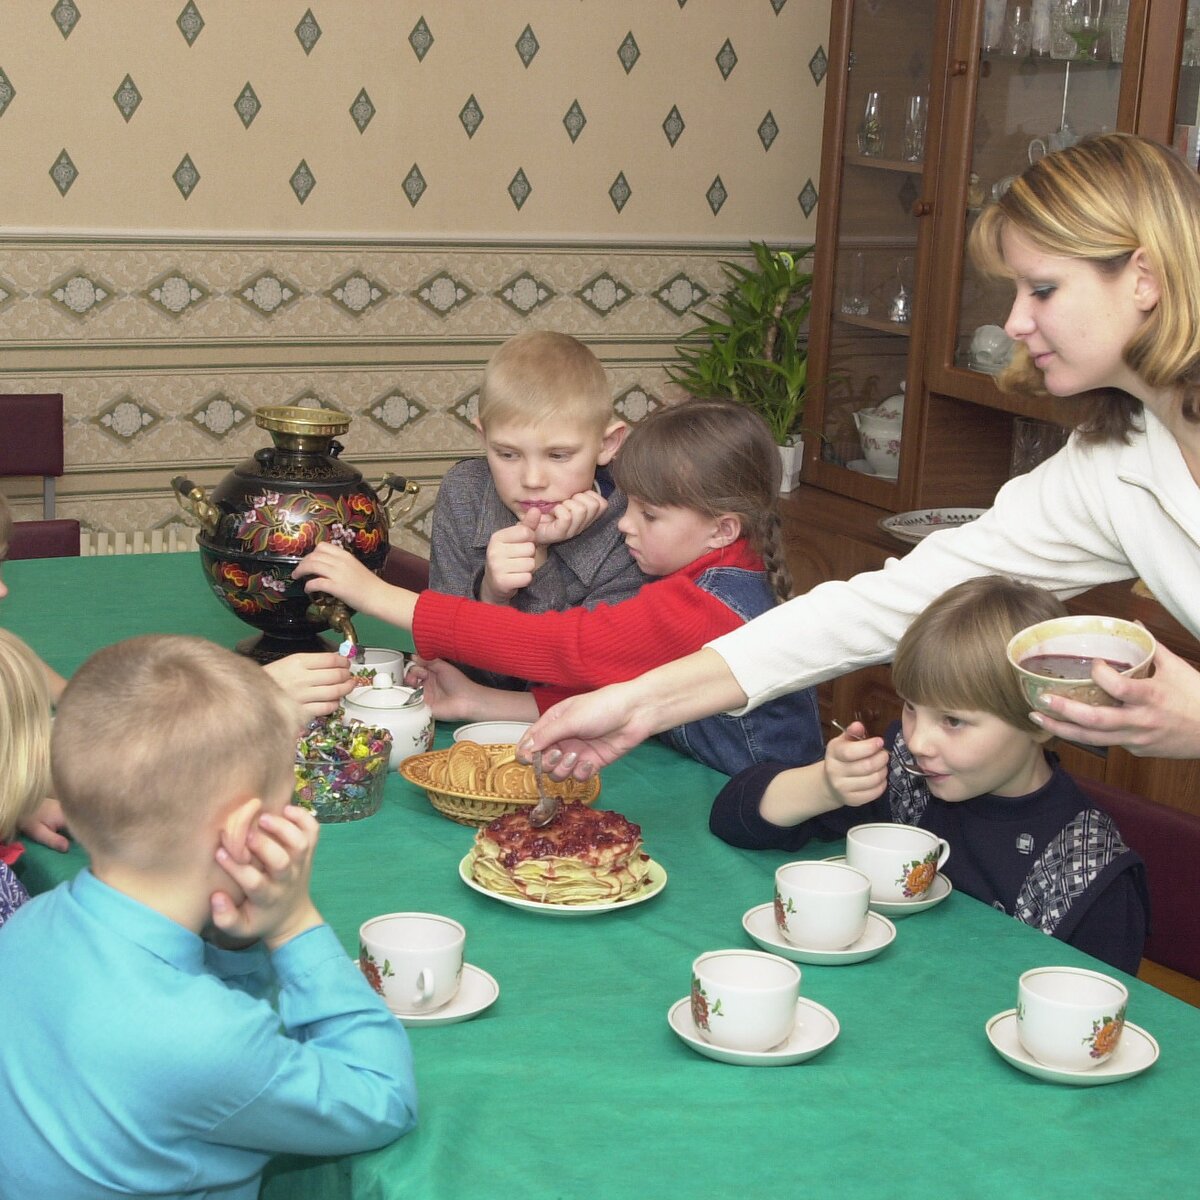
<point x="786" y="730"/>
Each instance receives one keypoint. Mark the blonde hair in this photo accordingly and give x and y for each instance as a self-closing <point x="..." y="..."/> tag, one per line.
<point x="953" y="655"/>
<point x="540" y="375"/>
<point x="24" y="733"/>
<point x="714" y="457"/>
<point x="1099" y="201"/>
<point x="5" y="527"/>
<point x="156" y="733"/>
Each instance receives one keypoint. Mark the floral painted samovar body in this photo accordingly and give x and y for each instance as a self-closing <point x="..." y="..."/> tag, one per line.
<point x="271" y="510"/>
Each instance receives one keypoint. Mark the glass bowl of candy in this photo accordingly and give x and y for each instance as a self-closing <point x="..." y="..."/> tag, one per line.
<point x="341" y="768"/>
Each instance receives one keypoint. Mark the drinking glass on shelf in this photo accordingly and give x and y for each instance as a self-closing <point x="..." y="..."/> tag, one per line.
<point x="870" y="128"/>
<point x="1075" y="29"/>
<point x="914" y="128"/>
<point x="1018" y="30"/>
<point x="854" y="301"/>
<point x="1117" y="20"/>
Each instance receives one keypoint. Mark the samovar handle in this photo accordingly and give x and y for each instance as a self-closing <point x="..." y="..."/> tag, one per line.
<point x="193" y="499"/>
<point x="399" y="491"/>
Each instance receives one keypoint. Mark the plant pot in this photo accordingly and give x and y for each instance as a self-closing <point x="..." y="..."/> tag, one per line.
<point x="791" y="458"/>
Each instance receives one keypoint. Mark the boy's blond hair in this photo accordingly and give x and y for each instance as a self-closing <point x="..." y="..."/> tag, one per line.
<point x="953" y="655"/>
<point x="539" y="375"/>
<point x="24" y="733"/>
<point x="5" y="527"/>
<point x="155" y="734"/>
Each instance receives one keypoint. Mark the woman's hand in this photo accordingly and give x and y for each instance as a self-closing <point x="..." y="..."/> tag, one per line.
<point x="317" y="682"/>
<point x="1158" y="717"/>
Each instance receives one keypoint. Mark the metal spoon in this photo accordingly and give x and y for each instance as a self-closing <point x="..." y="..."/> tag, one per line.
<point x="912" y="770"/>
<point x="546" y="809"/>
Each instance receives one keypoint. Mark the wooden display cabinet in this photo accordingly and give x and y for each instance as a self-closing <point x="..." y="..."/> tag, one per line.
<point x="890" y="218"/>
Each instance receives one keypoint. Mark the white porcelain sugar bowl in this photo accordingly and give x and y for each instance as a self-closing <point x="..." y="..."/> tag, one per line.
<point x="399" y="709"/>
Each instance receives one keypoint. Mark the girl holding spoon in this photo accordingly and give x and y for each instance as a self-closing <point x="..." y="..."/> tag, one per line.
<point x="966" y="763"/>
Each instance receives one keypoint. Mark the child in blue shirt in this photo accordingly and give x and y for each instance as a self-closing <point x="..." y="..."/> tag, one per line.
<point x="140" y="1052"/>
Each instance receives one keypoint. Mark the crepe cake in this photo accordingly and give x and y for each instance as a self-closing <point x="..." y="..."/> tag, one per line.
<point x="584" y="856"/>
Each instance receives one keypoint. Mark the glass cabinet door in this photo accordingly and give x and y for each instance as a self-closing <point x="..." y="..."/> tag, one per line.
<point x="872" y="231"/>
<point x="1050" y="72"/>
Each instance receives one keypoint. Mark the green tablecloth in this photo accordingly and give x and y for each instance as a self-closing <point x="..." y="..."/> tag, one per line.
<point x="573" y="1084"/>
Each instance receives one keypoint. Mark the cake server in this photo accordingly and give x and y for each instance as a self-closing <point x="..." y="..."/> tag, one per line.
<point x="546" y="809"/>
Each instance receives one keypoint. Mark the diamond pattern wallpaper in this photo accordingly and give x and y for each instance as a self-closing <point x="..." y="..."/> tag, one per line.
<point x="214" y="205"/>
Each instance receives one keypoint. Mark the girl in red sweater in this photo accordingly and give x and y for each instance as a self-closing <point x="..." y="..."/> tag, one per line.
<point x="702" y="479"/>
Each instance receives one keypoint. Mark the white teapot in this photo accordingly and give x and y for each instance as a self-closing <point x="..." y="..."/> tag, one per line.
<point x="402" y="710"/>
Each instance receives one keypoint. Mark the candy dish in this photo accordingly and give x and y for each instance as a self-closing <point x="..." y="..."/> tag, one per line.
<point x="477" y="991"/>
<point x="939" y="889"/>
<point x="759" y="923"/>
<point x="656" y="880"/>
<point x="816" y="1027"/>
<point x="1136" y="1052"/>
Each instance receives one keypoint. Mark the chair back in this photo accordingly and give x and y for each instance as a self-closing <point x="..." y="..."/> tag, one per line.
<point x="31" y="441"/>
<point x="44" y="539"/>
<point x="403" y="568"/>
<point x="1168" y="839"/>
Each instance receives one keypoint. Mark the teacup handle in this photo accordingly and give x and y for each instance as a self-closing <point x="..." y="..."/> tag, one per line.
<point x="424" y="987"/>
<point x="1037" y="149"/>
<point x="943" y="852"/>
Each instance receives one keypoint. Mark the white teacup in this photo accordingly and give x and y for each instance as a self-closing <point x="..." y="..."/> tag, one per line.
<point x="414" y="960"/>
<point x="821" y="905"/>
<point x="744" y="999"/>
<point x="1068" y="1017"/>
<point x="901" y="861"/>
<point x="376" y="659"/>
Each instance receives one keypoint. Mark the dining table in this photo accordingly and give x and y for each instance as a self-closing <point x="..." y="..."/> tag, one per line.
<point x="573" y="1083"/>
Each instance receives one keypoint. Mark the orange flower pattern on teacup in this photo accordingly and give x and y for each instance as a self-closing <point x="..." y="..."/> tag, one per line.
<point x="700" y="1008"/>
<point x="781" y="912"/>
<point x="916" y="877"/>
<point x="375" y="975"/>
<point x="1105" y="1035"/>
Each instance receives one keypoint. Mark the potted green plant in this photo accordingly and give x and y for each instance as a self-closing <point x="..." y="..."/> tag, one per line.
<point x="753" y="347"/>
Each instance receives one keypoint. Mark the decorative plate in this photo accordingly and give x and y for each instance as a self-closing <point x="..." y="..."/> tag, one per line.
<point x="911" y="527"/>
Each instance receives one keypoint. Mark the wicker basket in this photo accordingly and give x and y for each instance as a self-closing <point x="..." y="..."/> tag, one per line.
<point x="476" y="807"/>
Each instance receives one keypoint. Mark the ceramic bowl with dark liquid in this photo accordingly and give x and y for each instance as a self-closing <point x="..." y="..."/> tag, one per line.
<point x="1055" y="657"/>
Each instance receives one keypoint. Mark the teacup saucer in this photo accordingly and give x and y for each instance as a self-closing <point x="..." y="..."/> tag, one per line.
<point x="1136" y="1052"/>
<point x="815" y="1028"/>
<point x="477" y="991"/>
<point x="759" y="923"/>
<point x="939" y="889"/>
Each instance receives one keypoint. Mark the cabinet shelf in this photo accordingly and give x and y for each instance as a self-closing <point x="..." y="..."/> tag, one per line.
<point x="885" y="164"/>
<point x="878" y="324"/>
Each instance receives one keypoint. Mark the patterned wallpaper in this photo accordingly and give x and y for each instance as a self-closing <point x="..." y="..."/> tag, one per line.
<point x="216" y="205"/>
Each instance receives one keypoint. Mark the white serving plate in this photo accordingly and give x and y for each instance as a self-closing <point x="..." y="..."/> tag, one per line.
<point x="1136" y="1052"/>
<point x="657" y="880"/>
<point x="816" y="1027"/>
<point x="492" y="733"/>
<point x="912" y="526"/>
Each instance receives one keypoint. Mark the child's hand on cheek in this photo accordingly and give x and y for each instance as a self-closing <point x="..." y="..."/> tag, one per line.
<point x="274" y="880"/>
<point x="855" y="768"/>
<point x="570" y="518"/>
<point x="511" y="560"/>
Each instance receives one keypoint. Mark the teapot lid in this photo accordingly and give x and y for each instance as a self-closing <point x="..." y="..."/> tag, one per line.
<point x="383" y="695"/>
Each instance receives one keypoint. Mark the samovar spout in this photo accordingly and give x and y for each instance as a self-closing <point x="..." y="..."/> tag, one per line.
<point x="337" y="616"/>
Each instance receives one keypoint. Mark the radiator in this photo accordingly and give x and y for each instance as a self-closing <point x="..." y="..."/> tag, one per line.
<point x="172" y="540"/>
